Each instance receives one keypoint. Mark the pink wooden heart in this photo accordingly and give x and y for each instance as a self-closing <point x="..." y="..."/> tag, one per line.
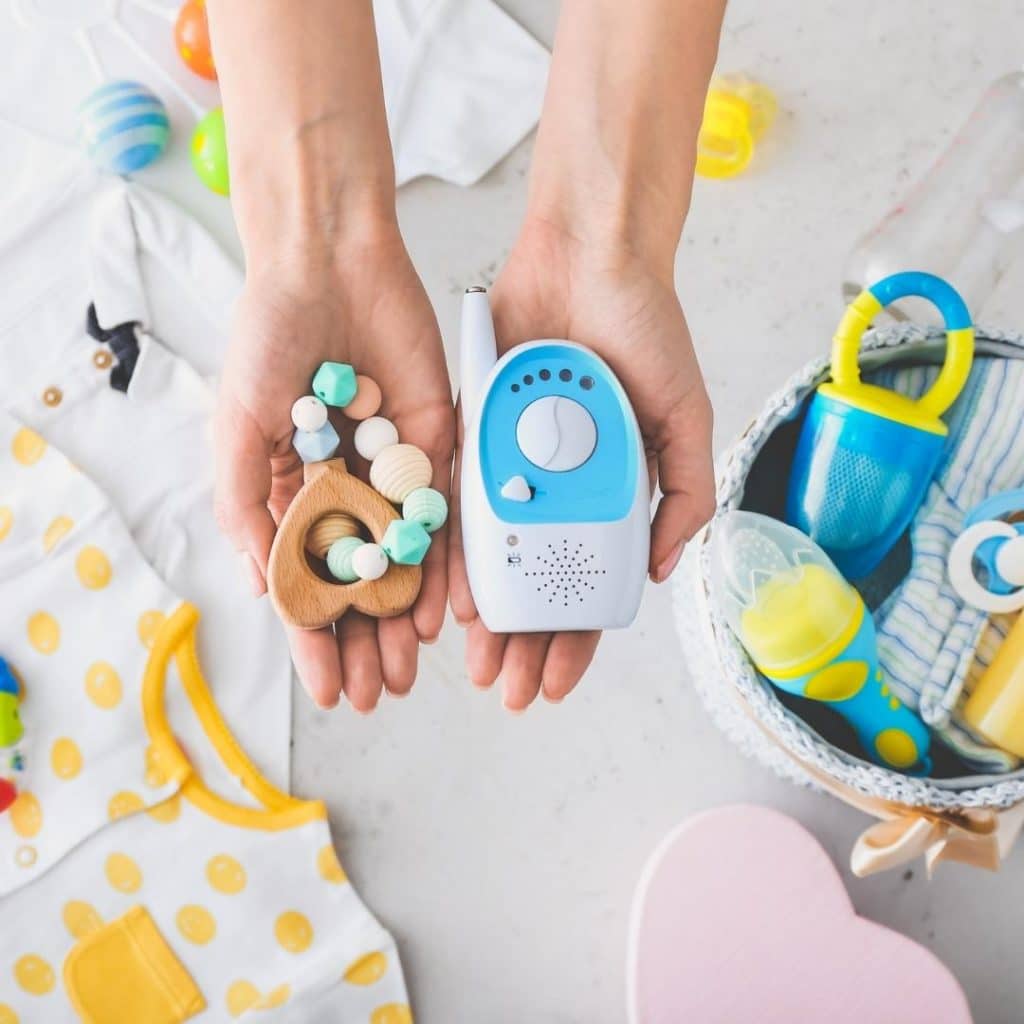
<point x="740" y="917"/>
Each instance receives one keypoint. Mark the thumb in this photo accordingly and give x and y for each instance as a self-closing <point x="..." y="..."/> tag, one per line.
<point x="686" y="477"/>
<point x="243" y="480"/>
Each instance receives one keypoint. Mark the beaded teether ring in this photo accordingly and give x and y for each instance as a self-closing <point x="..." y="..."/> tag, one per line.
<point x="325" y="520"/>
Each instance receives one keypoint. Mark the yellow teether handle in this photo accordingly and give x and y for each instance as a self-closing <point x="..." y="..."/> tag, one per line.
<point x="725" y="144"/>
<point x="871" y="301"/>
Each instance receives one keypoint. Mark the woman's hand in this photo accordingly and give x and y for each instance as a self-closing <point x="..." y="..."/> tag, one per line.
<point x="604" y="296"/>
<point x="360" y="303"/>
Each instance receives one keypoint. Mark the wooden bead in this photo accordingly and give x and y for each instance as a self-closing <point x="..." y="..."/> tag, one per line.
<point x="398" y="470"/>
<point x="369" y="562"/>
<point x="333" y="526"/>
<point x="372" y="436"/>
<point x="309" y="413"/>
<point x="367" y="400"/>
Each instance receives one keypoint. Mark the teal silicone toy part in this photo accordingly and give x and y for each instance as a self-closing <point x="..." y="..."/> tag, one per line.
<point x="315" y="447"/>
<point x="874" y="713"/>
<point x="426" y="507"/>
<point x="339" y="558"/>
<point x="335" y="384"/>
<point x="602" y="489"/>
<point x="405" y="542"/>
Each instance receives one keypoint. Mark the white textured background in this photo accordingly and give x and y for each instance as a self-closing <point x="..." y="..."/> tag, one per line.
<point x="503" y="851"/>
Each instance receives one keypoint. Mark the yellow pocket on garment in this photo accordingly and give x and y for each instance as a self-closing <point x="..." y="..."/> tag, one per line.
<point x="126" y="971"/>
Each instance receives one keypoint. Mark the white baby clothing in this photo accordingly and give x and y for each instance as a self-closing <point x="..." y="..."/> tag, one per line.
<point x="139" y="261"/>
<point x="133" y="890"/>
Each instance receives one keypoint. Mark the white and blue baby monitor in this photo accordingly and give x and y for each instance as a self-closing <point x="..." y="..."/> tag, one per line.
<point x="555" y="495"/>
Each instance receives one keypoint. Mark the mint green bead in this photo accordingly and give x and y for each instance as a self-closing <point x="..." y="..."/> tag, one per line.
<point x="405" y="542"/>
<point x="426" y="507"/>
<point x="335" y="384"/>
<point x="339" y="558"/>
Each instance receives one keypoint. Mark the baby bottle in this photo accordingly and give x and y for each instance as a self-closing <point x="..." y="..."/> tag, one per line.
<point x="965" y="220"/>
<point x="809" y="632"/>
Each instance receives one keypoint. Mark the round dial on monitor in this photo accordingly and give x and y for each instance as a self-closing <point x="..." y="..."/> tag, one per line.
<point x="556" y="433"/>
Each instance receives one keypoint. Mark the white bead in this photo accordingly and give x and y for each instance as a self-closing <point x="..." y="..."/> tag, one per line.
<point x="309" y="414"/>
<point x="373" y="436"/>
<point x="369" y="562"/>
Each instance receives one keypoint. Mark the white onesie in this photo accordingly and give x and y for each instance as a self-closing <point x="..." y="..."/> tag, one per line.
<point x="131" y="890"/>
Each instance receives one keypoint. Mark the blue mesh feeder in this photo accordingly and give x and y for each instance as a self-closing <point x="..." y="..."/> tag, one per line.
<point x="866" y="454"/>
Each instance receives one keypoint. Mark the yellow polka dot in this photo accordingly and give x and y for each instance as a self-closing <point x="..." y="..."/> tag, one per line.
<point x="328" y="866"/>
<point x="124" y="803"/>
<point x="103" y="685"/>
<point x="43" y="632"/>
<point x="156" y="773"/>
<point x="275" y="997"/>
<point x="391" y="1013"/>
<point x="885" y="690"/>
<point x="367" y="969"/>
<point x="893" y="704"/>
<point x="26" y="815"/>
<point x="896" y="748"/>
<point x="81" y="919"/>
<point x="123" y="873"/>
<point x="34" y="975"/>
<point x="839" y="681"/>
<point x="7" y="1015"/>
<point x="65" y="758"/>
<point x="225" y="874"/>
<point x="242" y="996"/>
<point x="196" y="924"/>
<point x="27" y="447"/>
<point x="93" y="568"/>
<point x="149" y="626"/>
<point x="56" y="531"/>
<point x="293" y="931"/>
<point x="6" y="522"/>
<point x="166" y="812"/>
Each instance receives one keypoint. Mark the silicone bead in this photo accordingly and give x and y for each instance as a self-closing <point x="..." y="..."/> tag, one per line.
<point x="124" y="126"/>
<point x="426" y="507"/>
<point x="398" y="470"/>
<point x="309" y="413"/>
<point x="339" y="558"/>
<point x="367" y="400"/>
<point x="372" y="436"/>
<point x="405" y="542"/>
<point x="315" y="447"/>
<point x="369" y="562"/>
<point x="209" y="152"/>
<point x="325" y="531"/>
<point x="335" y="384"/>
<point x="192" y="39"/>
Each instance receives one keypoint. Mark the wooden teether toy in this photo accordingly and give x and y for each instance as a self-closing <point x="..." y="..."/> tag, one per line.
<point x="330" y="515"/>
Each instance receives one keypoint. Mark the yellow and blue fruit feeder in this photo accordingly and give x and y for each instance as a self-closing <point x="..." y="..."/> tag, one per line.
<point x="866" y="454"/>
<point x="808" y="631"/>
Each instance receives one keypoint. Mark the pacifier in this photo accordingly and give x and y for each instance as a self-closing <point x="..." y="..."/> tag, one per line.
<point x="986" y="568"/>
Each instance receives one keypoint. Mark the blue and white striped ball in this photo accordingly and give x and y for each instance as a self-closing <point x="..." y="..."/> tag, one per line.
<point x="124" y="126"/>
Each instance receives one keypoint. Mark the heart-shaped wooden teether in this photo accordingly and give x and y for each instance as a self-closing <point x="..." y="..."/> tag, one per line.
<point x="304" y="599"/>
<point x="740" y="916"/>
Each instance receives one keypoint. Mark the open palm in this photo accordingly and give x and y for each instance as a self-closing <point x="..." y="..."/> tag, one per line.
<point x="367" y="308"/>
<point x="555" y="286"/>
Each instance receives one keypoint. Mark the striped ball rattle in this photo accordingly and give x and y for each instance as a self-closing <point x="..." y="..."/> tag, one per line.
<point x="343" y="543"/>
<point x="123" y="126"/>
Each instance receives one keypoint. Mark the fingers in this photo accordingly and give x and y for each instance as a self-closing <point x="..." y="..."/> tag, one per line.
<point x="242" y="488"/>
<point x="429" y="611"/>
<point x="460" y="597"/>
<point x="362" y="677"/>
<point x="317" y="664"/>
<point x="687" y="479"/>
<point x="398" y="644"/>
<point x="569" y="655"/>
<point x="484" y="653"/>
<point x="522" y="669"/>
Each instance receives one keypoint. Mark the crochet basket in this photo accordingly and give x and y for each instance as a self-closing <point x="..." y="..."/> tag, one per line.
<point x="973" y="819"/>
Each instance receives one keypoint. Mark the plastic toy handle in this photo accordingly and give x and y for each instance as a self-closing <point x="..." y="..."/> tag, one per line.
<point x="871" y="301"/>
<point x="725" y="144"/>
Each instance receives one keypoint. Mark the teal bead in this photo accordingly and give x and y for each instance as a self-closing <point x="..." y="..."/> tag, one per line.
<point x="426" y="507"/>
<point x="335" y="384"/>
<point x="405" y="542"/>
<point x="339" y="558"/>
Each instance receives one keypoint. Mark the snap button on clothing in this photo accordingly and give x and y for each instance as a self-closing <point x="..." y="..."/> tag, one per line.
<point x="52" y="396"/>
<point x="102" y="359"/>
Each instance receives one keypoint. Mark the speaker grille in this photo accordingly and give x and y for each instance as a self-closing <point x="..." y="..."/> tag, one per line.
<point x="565" y="573"/>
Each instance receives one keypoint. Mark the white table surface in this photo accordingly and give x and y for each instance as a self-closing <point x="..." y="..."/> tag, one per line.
<point x="503" y="851"/>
